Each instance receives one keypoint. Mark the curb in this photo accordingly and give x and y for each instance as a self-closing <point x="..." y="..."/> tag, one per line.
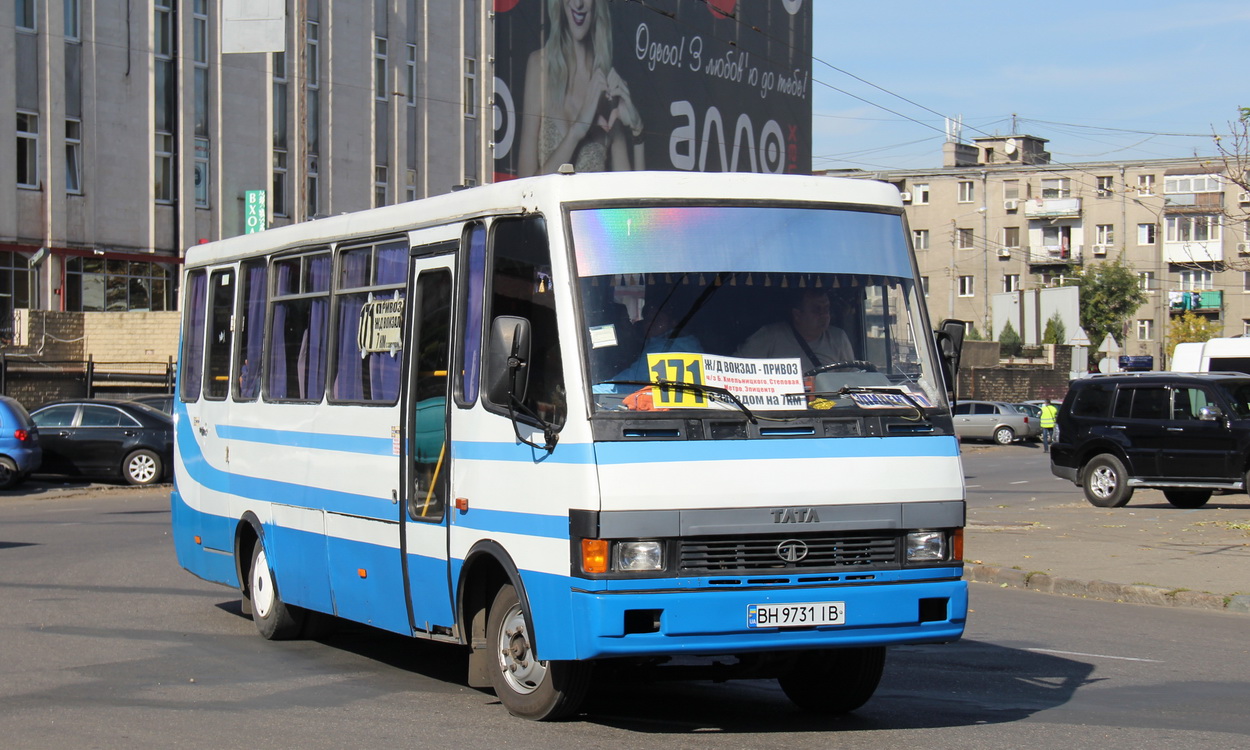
<point x="1114" y="592"/>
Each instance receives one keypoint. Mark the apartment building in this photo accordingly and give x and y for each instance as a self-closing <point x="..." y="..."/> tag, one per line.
<point x="1001" y="216"/>
<point x="136" y="131"/>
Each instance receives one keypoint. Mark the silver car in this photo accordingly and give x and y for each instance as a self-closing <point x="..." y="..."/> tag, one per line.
<point x="993" y="420"/>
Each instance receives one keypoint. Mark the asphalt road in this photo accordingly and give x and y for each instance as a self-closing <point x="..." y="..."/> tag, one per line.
<point x="105" y="642"/>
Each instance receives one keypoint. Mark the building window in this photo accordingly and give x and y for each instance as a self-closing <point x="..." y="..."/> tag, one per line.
<point x="1056" y="187"/>
<point x="99" y="285"/>
<point x="967" y="286"/>
<point x="380" y="89"/>
<point x="164" y="178"/>
<point x="920" y="238"/>
<point x="379" y="185"/>
<point x="73" y="17"/>
<point x="312" y="63"/>
<point x="73" y="156"/>
<point x="280" y="176"/>
<point x="200" y="58"/>
<point x="470" y="87"/>
<point x="1193" y="228"/>
<point x="27" y="150"/>
<point x="1011" y="190"/>
<point x="1245" y="327"/>
<point x="967" y="192"/>
<point x="1105" y="186"/>
<point x="1146" y="184"/>
<point x="1011" y="282"/>
<point x="1104" y="234"/>
<point x="279" y="100"/>
<point x="1011" y="237"/>
<point x="15" y="283"/>
<point x="1194" y="280"/>
<point x="311" y="186"/>
<point x="1245" y="281"/>
<point x="412" y="75"/>
<point x="1146" y="329"/>
<point x="410" y="191"/>
<point x="964" y="239"/>
<point x="1147" y="234"/>
<point x="1146" y="281"/>
<point x="201" y="172"/>
<point x="1202" y="183"/>
<point x="920" y="194"/>
<point x="25" y="15"/>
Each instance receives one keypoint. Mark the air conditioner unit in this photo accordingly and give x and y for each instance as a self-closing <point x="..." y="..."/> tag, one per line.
<point x="1011" y="205"/>
<point x="1100" y="249"/>
<point x="1004" y="252"/>
<point x="906" y="197"/>
<point x="1243" y="248"/>
<point x="1243" y="198"/>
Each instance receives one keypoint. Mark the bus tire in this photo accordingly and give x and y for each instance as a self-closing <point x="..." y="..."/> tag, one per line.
<point x="275" y="619"/>
<point x="528" y="688"/>
<point x="835" y="681"/>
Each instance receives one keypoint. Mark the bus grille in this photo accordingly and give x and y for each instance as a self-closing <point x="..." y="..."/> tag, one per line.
<point x="745" y="554"/>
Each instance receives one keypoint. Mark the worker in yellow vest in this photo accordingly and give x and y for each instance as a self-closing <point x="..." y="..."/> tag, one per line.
<point x="1049" y="414"/>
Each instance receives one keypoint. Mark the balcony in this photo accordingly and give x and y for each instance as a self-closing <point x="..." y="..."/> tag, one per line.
<point x="1052" y="208"/>
<point x="1201" y="251"/>
<point x="1200" y="302"/>
<point x="1050" y="255"/>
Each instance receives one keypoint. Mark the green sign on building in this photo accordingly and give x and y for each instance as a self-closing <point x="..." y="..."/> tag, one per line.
<point x="255" y="211"/>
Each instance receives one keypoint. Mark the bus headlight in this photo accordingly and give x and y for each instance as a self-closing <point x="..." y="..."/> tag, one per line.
<point x="925" y="546"/>
<point x="636" y="557"/>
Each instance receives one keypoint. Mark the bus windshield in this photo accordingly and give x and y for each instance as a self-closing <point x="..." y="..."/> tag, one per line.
<point x="761" y="309"/>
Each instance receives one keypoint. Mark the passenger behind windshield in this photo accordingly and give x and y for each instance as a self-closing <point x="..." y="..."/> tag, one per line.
<point x="806" y="334"/>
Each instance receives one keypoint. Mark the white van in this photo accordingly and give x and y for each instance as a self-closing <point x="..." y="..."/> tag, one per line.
<point x="1215" y="355"/>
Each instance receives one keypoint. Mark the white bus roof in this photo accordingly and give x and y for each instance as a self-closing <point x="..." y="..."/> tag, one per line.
<point x="531" y="193"/>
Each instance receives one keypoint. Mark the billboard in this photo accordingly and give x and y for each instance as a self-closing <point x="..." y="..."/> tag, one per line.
<point x="694" y="85"/>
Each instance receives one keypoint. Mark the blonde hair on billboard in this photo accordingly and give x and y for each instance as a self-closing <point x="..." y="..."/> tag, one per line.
<point x="558" y="51"/>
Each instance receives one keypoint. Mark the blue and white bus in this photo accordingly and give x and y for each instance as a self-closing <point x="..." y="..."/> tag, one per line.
<point x="582" y="418"/>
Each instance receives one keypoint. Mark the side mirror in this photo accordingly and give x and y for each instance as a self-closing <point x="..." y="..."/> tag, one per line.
<point x="1210" y="413"/>
<point x="950" y="343"/>
<point x="507" y="359"/>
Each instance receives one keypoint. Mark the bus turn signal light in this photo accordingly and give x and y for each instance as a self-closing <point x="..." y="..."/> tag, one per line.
<point x="594" y="556"/>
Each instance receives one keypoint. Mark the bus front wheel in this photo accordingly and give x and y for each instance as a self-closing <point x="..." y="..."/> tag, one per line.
<point x="275" y="619"/>
<point x="836" y="681"/>
<point x="527" y="687"/>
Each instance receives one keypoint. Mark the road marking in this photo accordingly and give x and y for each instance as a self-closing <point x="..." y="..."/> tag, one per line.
<point x="1022" y="481"/>
<point x="1094" y="656"/>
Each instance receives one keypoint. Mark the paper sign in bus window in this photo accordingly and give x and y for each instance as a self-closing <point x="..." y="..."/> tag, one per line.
<point x="760" y="384"/>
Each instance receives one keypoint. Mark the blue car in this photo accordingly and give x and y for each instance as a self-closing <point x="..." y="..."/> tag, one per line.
<point x="20" y="453"/>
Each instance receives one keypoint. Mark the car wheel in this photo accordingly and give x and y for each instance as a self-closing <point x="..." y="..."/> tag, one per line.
<point x="1187" y="498"/>
<point x="275" y="619"/>
<point x="834" y="682"/>
<point x="1106" y="482"/>
<point x="142" y="467"/>
<point x="527" y="687"/>
<point x="9" y="475"/>
<point x="1004" y="435"/>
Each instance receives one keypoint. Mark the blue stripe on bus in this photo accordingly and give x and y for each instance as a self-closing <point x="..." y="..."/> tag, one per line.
<point x="370" y="446"/>
<point x="511" y="522"/>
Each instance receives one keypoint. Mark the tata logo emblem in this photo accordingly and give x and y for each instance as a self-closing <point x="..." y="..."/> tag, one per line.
<point x="795" y="515"/>
<point x="792" y="550"/>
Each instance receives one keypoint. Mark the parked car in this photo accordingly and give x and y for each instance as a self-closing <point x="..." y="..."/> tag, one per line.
<point x="159" y="401"/>
<point x="993" y="420"/>
<point x="20" y="451"/>
<point x="1185" y="434"/>
<point x="105" y="438"/>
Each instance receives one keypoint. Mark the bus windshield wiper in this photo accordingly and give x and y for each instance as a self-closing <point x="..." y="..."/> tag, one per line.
<point x="713" y="392"/>
<point x="851" y="390"/>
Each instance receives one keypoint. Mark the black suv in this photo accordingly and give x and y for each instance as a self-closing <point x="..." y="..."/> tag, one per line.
<point x="1186" y="434"/>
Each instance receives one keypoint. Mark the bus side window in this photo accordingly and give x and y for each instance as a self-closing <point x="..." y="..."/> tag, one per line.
<point x="251" y="328"/>
<point x="428" y="431"/>
<point x="192" y="360"/>
<point x="521" y="285"/>
<point x="469" y="326"/>
<point x="220" y="334"/>
<point x="296" y="363"/>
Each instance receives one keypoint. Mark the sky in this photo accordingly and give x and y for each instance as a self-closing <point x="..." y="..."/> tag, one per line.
<point x="1102" y="80"/>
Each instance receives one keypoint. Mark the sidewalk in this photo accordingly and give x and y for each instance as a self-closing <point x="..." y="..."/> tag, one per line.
<point x="1147" y="552"/>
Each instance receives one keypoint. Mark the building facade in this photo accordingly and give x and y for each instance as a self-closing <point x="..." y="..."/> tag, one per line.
<point x="1001" y="217"/>
<point x="136" y="131"/>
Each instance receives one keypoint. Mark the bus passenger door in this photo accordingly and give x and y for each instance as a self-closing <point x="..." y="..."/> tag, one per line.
<point x="423" y="509"/>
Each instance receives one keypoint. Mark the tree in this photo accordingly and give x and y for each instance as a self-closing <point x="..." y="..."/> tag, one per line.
<point x="1056" y="332"/>
<point x="1009" y="341"/>
<point x="1109" y="297"/>
<point x="1190" y="328"/>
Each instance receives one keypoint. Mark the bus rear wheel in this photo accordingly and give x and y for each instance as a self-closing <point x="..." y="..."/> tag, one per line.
<point x="836" y="681"/>
<point x="275" y="619"/>
<point x="527" y="687"/>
